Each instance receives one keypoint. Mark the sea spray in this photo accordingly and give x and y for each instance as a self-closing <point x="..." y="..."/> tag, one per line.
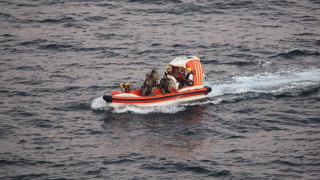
<point x="99" y="104"/>
<point x="266" y="82"/>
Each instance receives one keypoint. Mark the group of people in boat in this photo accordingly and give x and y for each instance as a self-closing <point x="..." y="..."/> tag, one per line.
<point x="125" y="87"/>
<point x="179" y="74"/>
<point x="152" y="81"/>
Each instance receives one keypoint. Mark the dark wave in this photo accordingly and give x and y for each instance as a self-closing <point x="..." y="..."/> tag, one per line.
<point x="210" y="62"/>
<point x="107" y="54"/>
<point x="33" y="42"/>
<point x="107" y="50"/>
<point x="7" y="35"/>
<point x="5" y="15"/>
<point x="6" y="131"/>
<point x="3" y="91"/>
<point x="307" y="34"/>
<point x="269" y="26"/>
<point x="43" y="123"/>
<point x="180" y="46"/>
<point x="26" y="5"/>
<point x="156" y="44"/>
<point x="96" y="88"/>
<point x="157" y="2"/>
<point x="240" y="63"/>
<point x="19" y="93"/>
<point x="296" y="52"/>
<point x="74" y="106"/>
<point x="75" y="25"/>
<point x="29" y="68"/>
<point x="223" y="173"/>
<point x="93" y="132"/>
<point x="310" y="90"/>
<point x="30" y="82"/>
<point x="56" y="47"/>
<point x="108" y="5"/>
<point x="120" y="161"/>
<point x="61" y="20"/>
<point x="286" y="163"/>
<point x="235" y="137"/>
<point x="197" y="169"/>
<point x="59" y="76"/>
<point x="95" y="18"/>
<point x="21" y="113"/>
<point x="106" y="36"/>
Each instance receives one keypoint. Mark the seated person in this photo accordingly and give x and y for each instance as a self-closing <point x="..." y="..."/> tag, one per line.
<point x="154" y="76"/>
<point x="179" y="74"/>
<point x="189" y="77"/>
<point x="168" y="71"/>
<point x="127" y="89"/>
<point x="188" y="80"/>
<point x="122" y="87"/>
<point x="165" y="85"/>
<point x="147" y="86"/>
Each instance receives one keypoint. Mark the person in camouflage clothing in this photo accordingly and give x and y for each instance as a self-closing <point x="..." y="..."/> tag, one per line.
<point x="165" y="85"/>
<point x="147" y="86"/>
<point x="154" y="77"/>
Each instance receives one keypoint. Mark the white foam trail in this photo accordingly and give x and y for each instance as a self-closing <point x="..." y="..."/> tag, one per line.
<point x="217" y="101"/>
<point x="266" y="63"/>
<point x="99" y="104"/>
<point x="171" y="109"/>
<point x="266" y="82"/>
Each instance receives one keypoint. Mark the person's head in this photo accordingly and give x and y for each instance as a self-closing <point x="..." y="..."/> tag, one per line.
<point x="127" y="84"/>
<point x="168" y="68"/>
<point x="180" y="69"/>
<point x="121" y="85"/>
<point x="189" y="69"/>
<point x="153" y="69"/>
<point x="147" y="76"/>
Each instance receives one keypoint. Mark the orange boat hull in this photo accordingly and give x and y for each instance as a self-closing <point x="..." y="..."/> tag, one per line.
<point x="155" y="100"/>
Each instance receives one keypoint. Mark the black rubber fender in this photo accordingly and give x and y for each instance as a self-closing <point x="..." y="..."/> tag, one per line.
<point x="108" y="99"/>
<point x="209" y="89"/>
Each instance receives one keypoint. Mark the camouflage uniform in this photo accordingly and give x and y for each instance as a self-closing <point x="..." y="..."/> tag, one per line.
<point x="154" y="76"/>
<point x="165" y="85"/>
<point x="146" y="88"/>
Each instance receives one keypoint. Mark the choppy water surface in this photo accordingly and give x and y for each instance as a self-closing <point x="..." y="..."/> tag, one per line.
<point x="261" y="120"/>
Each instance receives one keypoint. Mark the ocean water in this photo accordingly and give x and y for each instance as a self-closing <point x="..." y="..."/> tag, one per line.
<point x="58" y="57"/>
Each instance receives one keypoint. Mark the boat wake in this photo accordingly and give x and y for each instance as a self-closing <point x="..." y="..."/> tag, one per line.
<point x="237" y="87"/>
<point x="271" y="83"/>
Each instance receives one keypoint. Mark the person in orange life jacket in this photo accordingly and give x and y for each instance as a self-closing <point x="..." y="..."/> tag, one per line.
<point x="189" y="77"/>
<point x="127" y="89"/>
<point x="122" y="87"/>
<point x="179" y="75"/>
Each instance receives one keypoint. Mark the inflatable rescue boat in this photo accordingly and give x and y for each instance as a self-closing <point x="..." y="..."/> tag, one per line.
<point x="196" y="91"/>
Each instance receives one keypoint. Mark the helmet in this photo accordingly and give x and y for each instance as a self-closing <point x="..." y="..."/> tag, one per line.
<point x="121" y="85"/>
<point x="127" y="84"/>
<point x="181" y="68"/>
<point x="168" y="67"/>
<point x="189" y="69"/>
<point x="153" y="69"/>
